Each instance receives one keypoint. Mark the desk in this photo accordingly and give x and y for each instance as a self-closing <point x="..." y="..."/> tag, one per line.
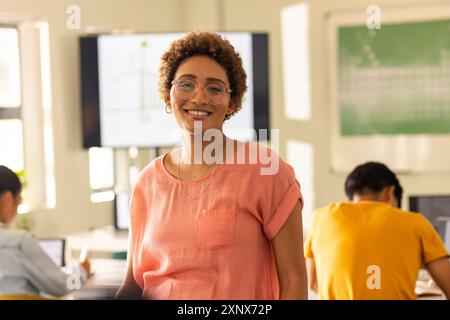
<point x="105" y="240"/>
<point x="424" y="291"/>
<point x="108" y="274"/>
<point x="107" y="278"/>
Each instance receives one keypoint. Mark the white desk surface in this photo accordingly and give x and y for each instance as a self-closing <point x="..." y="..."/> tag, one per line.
<point x="105" y="240"/>
<point x="108" y="275"/>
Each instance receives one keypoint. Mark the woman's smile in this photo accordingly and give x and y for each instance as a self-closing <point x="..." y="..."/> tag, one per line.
<point x="198" y="114"/>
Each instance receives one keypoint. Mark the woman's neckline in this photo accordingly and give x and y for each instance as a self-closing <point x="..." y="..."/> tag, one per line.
<point x="160" y="162"/>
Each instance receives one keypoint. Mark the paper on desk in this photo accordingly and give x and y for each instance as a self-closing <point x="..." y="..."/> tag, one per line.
<point x="83" y="253"/>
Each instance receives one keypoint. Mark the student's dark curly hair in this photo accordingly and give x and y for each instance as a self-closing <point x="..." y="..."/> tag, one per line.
<point x="9" y="181"/>
<point x="372" y="177"/>
<point x="208" y="44"/>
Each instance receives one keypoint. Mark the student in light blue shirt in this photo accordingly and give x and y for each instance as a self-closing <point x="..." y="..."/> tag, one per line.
<point x="25" y="269"/>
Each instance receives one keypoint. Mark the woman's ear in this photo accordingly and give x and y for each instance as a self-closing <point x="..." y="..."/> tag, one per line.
<point x="168" y="106"/>
<point x="231" y="108"/>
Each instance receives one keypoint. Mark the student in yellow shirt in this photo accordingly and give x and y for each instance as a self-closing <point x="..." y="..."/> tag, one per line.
<point x="369" y="248"/>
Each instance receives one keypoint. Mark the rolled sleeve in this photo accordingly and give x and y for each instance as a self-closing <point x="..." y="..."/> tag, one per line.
<point x="432" y="246"/>
<point x="283" y="211"/>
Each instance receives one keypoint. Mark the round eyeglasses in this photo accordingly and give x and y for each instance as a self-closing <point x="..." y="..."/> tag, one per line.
<point x="185" y="89"/>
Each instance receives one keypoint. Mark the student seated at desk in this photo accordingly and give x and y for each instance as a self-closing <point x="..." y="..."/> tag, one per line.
<point x="25" y="269"/>
<point x="369" y="248"/>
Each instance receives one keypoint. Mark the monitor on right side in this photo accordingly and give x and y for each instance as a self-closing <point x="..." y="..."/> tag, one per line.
<point x="436" y="208"/>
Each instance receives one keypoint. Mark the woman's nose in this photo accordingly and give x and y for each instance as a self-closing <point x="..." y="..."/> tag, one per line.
<point x="199" y="97"/>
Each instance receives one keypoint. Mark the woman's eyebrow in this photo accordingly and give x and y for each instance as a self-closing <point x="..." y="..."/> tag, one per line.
<point x="193" y="76"/>
<point x="215" y="79"/>
<point x="188" y="75"/>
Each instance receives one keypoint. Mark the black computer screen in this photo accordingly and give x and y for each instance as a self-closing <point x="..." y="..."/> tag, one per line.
<point x="436" y="209"/>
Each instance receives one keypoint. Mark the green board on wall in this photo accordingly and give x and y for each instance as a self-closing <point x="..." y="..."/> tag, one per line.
<point x="395" y="80"/>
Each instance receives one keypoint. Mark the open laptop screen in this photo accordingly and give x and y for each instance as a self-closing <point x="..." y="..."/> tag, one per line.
<point x="54" y="249"/>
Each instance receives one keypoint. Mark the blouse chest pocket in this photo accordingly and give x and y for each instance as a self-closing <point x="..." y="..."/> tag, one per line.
<point x="216" y="228"/>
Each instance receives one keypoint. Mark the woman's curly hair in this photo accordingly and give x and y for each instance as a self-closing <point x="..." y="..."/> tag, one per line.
<point x="207" y="44"/>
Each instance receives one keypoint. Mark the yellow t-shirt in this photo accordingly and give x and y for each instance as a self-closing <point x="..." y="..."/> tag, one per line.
<point x="370" y="250"/>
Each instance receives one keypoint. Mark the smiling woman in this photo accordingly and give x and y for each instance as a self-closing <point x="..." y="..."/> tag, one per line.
<point x="208" y="45"/>
<point x="192" y="223"/>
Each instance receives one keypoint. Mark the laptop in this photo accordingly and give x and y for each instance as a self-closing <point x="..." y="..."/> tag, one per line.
<point x="436" y="208"/>
<point x="55" y="249"/>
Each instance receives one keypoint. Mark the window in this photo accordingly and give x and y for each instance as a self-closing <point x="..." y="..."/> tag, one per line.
<point x="26" y="136"/>
<point x="301" y="156"/>
<point x="115" y="170"/>
<point x="101" y="168"/>
<point x="9" y="68"/>
<point x="11" y="143"/>
<point x="101" y="174"/>
<point x="11" y="139"/>
<point x="11" y="126"/>
<point x="295" y="45"/>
